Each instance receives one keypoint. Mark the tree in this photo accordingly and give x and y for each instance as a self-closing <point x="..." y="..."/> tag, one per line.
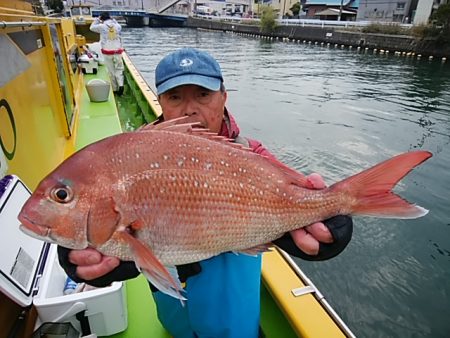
<point x="441" y="23"/>
<point x="295" y="9"/>
<point x="268" y="19"/>
<point x="442" y="17"/>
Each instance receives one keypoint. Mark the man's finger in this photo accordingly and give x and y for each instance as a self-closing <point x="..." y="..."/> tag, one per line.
<point x="84" y="257"/>
<point x="98" y="270"/>
<point x="316" y="181"/>
<point x="320" y="232"/>
<point x="305" y="242"/>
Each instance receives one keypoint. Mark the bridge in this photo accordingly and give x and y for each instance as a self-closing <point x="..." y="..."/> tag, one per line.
<point x="140" y="17"/>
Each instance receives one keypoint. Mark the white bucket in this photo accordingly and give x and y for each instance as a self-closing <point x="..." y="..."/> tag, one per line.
<point x="98" y="90"/>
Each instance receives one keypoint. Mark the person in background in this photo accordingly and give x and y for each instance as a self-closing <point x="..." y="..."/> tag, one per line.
<point x="111" y="43"/>
<point x="223" y="292"/>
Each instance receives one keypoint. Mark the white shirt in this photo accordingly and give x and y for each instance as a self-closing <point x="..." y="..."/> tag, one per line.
<point x="109" y="33"/>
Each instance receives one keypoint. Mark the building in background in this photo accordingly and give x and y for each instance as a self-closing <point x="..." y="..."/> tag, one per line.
<point x="238" y="8"/>
<point x="397" y="11"/>
<point x="400" y="11"/>
<point x="424" y="10"/>
<point x="206" y="7"/>
<point x="340" y="10"/>
<point x="132" y="4"/>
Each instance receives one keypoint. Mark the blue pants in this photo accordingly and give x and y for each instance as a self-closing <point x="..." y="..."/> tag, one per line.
<point x="223" y="300"/>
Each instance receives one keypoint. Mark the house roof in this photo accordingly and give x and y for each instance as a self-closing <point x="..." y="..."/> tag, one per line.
<point x="332" y="12"/>
<point x="349" y="3"/>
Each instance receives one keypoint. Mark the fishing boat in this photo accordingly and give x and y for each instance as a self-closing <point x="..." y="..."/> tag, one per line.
<point x="47" y="113"/>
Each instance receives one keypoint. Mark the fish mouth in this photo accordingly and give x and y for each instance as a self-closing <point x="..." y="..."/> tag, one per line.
<point x="34" y="230"/>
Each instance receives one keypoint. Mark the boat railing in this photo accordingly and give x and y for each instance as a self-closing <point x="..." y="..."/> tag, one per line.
<point x="4" y="24"/>
<point x="300" y="22"/>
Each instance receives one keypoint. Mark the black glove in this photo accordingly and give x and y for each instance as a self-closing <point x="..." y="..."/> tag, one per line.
<point x="125" y="270"/>
<point x="341" y="228"/>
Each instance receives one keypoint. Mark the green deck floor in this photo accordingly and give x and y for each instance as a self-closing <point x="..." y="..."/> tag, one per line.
<point x="142" y="319"/>
<point x="97" y="119"/>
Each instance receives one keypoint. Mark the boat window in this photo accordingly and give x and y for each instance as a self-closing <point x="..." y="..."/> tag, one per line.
<point x="73" y="57"/>
<point x="63" y="76"/>
<point x="76" y="11"/>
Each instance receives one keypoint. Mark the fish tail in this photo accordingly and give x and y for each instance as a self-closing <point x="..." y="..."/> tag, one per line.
<point x="371" y="193"/>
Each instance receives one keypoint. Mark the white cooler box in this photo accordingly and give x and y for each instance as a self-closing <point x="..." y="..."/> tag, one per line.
<point x="30" y="273"/>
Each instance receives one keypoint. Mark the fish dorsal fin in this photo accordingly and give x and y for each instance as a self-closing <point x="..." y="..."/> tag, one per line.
<point x="174" y="125"/>
<point x="177" y="126"/>
<point x="205" y="133"/>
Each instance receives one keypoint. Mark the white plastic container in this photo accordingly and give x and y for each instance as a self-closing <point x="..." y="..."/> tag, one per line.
<point x="30" y="273"/>
<point x="89" y="64"/>
<point x="98" y="90"/>
<point x="97" y="49"/>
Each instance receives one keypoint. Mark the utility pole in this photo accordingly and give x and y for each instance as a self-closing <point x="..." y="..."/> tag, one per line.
<point x="340" y="10"/>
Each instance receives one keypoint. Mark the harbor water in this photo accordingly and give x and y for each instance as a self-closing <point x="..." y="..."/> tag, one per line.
<point x="336" y="112"/>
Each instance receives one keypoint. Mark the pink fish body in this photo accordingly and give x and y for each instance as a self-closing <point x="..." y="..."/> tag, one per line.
<point x="170" y="194"/>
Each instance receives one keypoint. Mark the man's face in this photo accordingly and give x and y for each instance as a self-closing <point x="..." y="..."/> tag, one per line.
<point x="200" y="104"/>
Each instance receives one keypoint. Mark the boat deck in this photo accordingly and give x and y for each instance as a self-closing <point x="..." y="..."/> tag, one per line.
<point x="97" y="119"/>
<point x="142" y="319"/>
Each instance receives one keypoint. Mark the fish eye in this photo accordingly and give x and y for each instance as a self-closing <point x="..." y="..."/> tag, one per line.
<point x="62" y="194"/>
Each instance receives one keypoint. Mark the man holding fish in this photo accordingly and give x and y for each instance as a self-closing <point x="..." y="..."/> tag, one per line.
<point x="223" y="291"/>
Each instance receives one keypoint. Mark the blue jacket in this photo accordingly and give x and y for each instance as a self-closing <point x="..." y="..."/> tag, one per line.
<point x="222" y="300"/>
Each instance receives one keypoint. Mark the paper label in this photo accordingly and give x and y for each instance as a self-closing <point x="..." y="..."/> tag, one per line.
<point x="22" y="268"/>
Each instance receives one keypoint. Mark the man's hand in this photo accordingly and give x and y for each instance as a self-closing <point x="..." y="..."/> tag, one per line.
<point x="91" y="264"/>
<point x="93" y="268"/>
<point x="308" y="238"/>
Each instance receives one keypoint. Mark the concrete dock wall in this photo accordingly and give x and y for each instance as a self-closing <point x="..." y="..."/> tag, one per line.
<point x="332" y="35"/>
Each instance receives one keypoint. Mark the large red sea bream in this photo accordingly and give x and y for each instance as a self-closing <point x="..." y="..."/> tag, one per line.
<point x="172" y="194"/>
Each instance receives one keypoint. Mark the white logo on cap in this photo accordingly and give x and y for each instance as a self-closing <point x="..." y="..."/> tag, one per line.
<point x="186" y="62"/>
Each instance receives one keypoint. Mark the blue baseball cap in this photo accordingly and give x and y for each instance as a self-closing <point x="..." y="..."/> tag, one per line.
<point x="187" y="66"/>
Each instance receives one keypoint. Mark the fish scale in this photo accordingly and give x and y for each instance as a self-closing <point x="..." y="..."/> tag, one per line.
<point x="195" y="208"/>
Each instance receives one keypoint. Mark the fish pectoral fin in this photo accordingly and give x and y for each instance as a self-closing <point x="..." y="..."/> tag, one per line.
<point x="152" y="268"/>
<point x="102" y="221"/>
<point x="163" y="287"/>
<point x="257" y="249"/>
